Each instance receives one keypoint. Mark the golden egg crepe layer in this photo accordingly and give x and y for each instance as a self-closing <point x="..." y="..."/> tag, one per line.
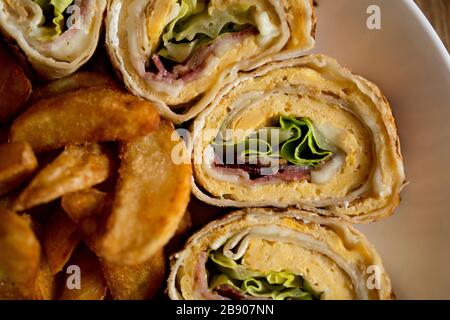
<point x="278" y="254"/>
<point x="57" y="36"/>
<point x="180" y="52"/>
<point x="356" y="169"/>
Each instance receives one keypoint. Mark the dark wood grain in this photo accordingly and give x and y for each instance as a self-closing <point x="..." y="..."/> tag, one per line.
<point x="438" y="12"/>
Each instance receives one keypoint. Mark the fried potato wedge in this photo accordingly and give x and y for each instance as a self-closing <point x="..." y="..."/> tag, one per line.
<point x="19" y="255"/>
<point x="84" y="204"/>
<point x="45" y="286"/>
<point x="92" y="282"/>
<point x="86" y="115"/>
<point x="87" y="208"/>
<point x="77" y="168"/>
<point x="73" y="82"/>
<point x="151" y="196"/>
<point x="61" y="237"/>
<point x="15" y="87"/>
<point x="137" y="282"/>
<point x="17" y="163"/>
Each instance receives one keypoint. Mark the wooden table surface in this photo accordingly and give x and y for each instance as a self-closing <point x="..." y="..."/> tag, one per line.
<point x="438" y="12"/>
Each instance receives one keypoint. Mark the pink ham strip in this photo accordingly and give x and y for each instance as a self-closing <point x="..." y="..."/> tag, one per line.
<point x="235" y="294"/>
<point x="201" y="280"/>
<point x="192" y="69"/>
<point x="162" y="72"/>
<point x="285" y="173"/>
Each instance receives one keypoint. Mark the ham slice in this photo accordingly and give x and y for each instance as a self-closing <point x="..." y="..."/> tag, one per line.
<point x="201" y="281"/>
<point x="192" y="68"/>
<point x="258" y="173"/>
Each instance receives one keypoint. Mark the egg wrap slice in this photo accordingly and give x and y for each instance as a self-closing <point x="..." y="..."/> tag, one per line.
<point x="260" y="253"/>
<point x="304" y="133"/>
<point x="179" y="53"/>
<point x="56" y="36"/>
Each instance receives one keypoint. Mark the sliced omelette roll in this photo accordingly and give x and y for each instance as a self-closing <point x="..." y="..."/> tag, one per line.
<point x="280" y="255"/>
<point x="57" y="36"/>
<point x="180" y="52"/>
<point x="304" y="132"/>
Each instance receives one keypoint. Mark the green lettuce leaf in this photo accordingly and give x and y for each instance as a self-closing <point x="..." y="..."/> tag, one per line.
<point x="302" y="149"/>
<point x="212" y="23"/>
<point x="294" y="141"/>
<point x="275" y="285"/>
<point x="53" y="11"/>
<point x="196" y="25"/>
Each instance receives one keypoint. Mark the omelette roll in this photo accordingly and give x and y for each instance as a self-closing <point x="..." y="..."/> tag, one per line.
<point x="265" y="254"/>
<point x="57" y="36"/>
<point x="180" y="52"/>
<point x="304" y="132"/>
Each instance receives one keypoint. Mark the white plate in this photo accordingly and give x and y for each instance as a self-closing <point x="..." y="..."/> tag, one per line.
<point x="411" y="65"/>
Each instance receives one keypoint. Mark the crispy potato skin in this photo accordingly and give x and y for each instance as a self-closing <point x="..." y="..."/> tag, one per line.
<point x="15" y="87"/>
<point x="19" y="256"/>
<point x="85" y="115"/>
<point x="61" y="237"/>
<point x="77" y="168"/>
<point x="93" y="285"/>
<point x="136" y="282"/>
<point x="17" y="163"/>
<point x="151" y="197"/>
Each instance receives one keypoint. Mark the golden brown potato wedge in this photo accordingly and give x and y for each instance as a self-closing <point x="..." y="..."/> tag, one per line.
<point x="45" y="286"/>
<point x="87" y="208"/>
<point x="151" y="196"/>
<point x="77" y="168"/>
<point x="19" y="255"/>
<point x="73" y="82"/>
<point x="60" y="239"/>
<point x="17" y="163"/>
<point x="84" y="204"/>
<point x="15" y="88"/>
<point x="137" y="282"/>
<point x="85" y="115"/>
<point x="92" y="282"/>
